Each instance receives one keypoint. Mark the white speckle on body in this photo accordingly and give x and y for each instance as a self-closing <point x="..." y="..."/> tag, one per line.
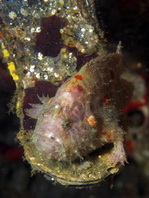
<point x="12" y="15"/>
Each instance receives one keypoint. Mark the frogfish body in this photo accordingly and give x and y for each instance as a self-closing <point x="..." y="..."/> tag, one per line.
<point x="84" y="115"/>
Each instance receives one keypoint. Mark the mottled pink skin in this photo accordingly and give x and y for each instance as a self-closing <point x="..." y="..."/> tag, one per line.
<point x="52" y="137"/>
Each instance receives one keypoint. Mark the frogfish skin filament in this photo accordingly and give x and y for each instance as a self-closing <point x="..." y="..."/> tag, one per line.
<point x="84" y="115"/>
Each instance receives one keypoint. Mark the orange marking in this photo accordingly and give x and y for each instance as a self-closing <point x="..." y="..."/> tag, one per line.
<point x="112" y="133"/>
<point x="50" y="100"/>
<point x="109" y="135"/>
<point x="91" y="120"/>
<point x="79" y="77"/>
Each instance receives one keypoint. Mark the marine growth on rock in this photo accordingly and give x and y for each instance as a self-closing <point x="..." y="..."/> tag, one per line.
<point x="70" y="93"/>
